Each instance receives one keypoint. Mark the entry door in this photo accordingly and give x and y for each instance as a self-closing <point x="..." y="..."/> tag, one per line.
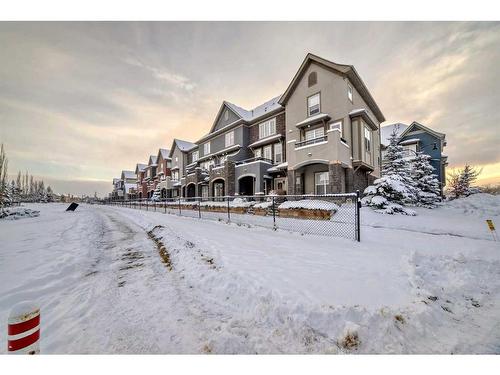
<point x="280" y="183"/>
<point x="218" y="189"/>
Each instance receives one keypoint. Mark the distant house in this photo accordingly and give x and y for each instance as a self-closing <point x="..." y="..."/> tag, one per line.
<point x="142" y="187"/>
<point x="150" y="175"/>
<point x="419" y="138"/>
<point x="128" y="185"/>
<point x="163" y="170"/>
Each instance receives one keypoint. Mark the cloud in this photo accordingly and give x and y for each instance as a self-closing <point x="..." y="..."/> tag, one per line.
<point x="163" y="75"/>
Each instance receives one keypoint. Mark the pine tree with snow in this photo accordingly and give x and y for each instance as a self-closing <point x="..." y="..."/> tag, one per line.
<point x="396" y="187"/>
<point x="156" y="194"/>
<point x="50" y="194"/>
<point x="4" y="194"/>
<point x="426" y="182"/>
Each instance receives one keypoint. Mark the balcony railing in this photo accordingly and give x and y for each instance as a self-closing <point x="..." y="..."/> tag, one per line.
<point x="311" y="141"/>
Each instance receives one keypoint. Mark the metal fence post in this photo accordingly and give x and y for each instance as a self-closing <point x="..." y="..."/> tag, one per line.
<point x="180" y="210"/>
<point x="165" y="206"/>
<point x="358" y="221"/>
<point x="154" y="204"/>
<point x="199" y="208"/>
<point x="274" y="216"/>
<point x="228" y="214"/>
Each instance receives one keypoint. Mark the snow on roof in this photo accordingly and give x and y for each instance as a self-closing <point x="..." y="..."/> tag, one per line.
<point x="140" y="167"/>
<point x="152" y="160"/>
<point x="386" y="131"/>
<point x="185" y="145"/>
<point x="129" y="186"/>
<point x="409" y="141"/>
<point x="164" y="153"/>
<point x="265" y="140"/>
<point x="115" y="180"/>
<point x="278" y="167"/>
<point x="314" y="118"/>
<point x="129" y="174"/>
<point x="250" y="115"/>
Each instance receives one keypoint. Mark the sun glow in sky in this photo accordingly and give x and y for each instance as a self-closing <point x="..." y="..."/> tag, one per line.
<point x="79" y="102"/>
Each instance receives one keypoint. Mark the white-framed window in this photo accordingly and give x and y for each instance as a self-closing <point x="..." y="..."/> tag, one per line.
<point x="257" y="152"/>
<point x="278" y="153"/>
<point x="267" y="128"/>
<point x="226" y="115"/>
<point x="321" y="181"/>
<point x="175" y="175"/>
<point x="195" y="156"/>
<point x="336" y="125"/>
<point x="349" y="92"/>
<point x="176" y="159"/>
<point x="206" y="148"/>
<point x="229" y="139"/>
<point x="314" y="133"/>
<point x="368" y="139"/>
<point x="204" y="191"/>
<point x="313" y="105"/>
<point x="267" y="152"/>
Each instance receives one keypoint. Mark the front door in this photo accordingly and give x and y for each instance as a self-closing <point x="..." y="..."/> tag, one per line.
<point x="218" y="189"/>
<point x="280" y="183"/>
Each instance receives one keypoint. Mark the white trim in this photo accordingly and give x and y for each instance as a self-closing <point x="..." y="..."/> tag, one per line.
<point x="291" y="141"/>
<point x="334" y="130"/>
<point x="227" y="149"/>
<point x="312" y="145"/>
<point x="309" y="162"/>
<point x="247" y="175"/>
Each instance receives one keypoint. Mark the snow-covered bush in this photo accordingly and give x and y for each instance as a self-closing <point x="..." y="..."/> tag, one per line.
<point x="156" y="194"/>
<point x="309" y="204"/>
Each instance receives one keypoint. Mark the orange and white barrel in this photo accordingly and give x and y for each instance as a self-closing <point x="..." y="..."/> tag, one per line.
<point x="24" y="329"/>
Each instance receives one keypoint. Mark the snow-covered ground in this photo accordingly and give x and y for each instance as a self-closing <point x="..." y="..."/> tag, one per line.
<point x="423" y="284"/>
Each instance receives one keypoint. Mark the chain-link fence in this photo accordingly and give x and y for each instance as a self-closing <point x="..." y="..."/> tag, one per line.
<point x="328" y="215"/>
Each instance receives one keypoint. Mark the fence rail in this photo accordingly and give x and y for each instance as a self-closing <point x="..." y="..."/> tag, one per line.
<point x="328" y="215"/>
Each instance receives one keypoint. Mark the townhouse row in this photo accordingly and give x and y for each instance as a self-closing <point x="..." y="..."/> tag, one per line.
<point x="322" y="135"/>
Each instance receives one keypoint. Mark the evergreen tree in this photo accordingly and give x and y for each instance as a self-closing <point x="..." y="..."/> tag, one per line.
<point x="426" y="182"/>
<point x="4" y="162"/>
<point x="156" y="194"/>
<point x="396" y="187"/>
<point x="19" y="186"/>
<point x="459" y="182"/>
<point x="50" y="194"/>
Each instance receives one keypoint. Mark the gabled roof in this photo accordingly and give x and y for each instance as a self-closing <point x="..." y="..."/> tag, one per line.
<point x="164" y="153"/>
<point x="128" y="174"/>
<point x="386" y="131"/>
<point x="140" y="168"/>
<point x="152" y="160"/>
<point x="345" y="70"/>
<point x="184" y="146"/>
<point x="245" y="115"/>
<point x="423" y="127"/>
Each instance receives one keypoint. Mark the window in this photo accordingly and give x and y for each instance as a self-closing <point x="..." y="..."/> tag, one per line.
<point x="223" y="159"/>
<point x="368" y="139"/>
<point x="267" y="128"/>
<point x="229" y="139"/>
<point x="258" y="152"/>
<point x="195" y="156"/>
<point x="175" y="175"/>
<point x="206" y="148"/>
<point x="226" y="115"/>
<point x="176" y="159"/>
<point x="315" y="133"/>
<point x="313" y="105"/>
<point x="204" y="191"/>
<point x="321" y="181"/>
<point x="312" y="79"/>
<point x="349" y="92"/>
<point x="267" y="153"/>
<point x="337" y="125"/>
<point x="278" y="153"/>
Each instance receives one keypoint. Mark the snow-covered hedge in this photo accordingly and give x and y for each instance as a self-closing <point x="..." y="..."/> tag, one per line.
<point x="309" y="204"/>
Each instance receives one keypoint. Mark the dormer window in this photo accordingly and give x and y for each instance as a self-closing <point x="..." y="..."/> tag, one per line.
<point x="313" y="105"/>
<point x="312" y="79"/>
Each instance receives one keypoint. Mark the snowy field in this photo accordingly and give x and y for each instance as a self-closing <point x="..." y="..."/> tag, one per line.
<point x="423" y="284"/>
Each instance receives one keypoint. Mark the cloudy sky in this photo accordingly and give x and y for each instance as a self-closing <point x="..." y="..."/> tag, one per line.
<point x="79" y="102"/>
